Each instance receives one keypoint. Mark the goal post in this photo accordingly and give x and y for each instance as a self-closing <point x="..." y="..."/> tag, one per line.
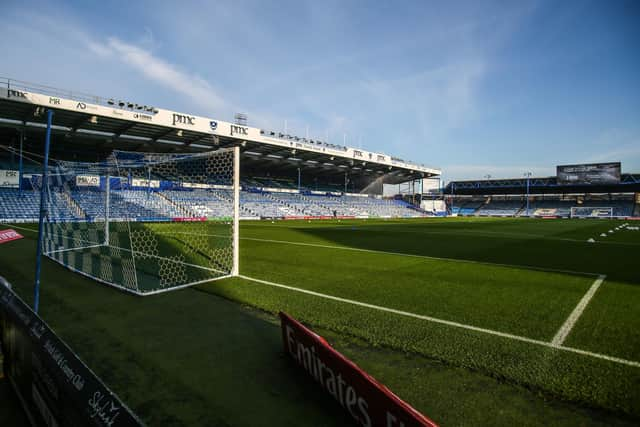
<point x="146" y="222"/>
<point x="236" y="211"/>
<point x="591" y="212"/>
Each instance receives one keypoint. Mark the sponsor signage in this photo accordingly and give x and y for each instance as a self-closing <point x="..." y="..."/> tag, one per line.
<point x="9" y="178"/>
<point x="593" y="173"/>
<point x="17" y="94"/>
<point x="183" y="119"/>
<point x="367" y="401"/>
<point x="189" y="219"/>
<point x="9" y="235"/>
<point x="239" y="130"/>
<point x="88" y="181"/>
<point x="154" y="183"/>
<point x="126" y="110"/>
<point x="54" y="386"/>
<point x="200" y="185"/>
<point x="143" y="117"/>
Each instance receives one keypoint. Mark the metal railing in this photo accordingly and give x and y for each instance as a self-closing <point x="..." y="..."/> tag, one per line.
<point x="23" y="86"/>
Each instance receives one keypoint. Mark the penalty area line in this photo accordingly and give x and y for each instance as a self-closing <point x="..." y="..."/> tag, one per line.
<point x="447" y="322"/>
<point x="459" y="260"/>
<point x="568" y="325"/>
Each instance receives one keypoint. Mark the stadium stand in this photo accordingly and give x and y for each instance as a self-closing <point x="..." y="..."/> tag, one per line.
<point x="500" y="208"/>
<point x="17" y="206"/>
<point x="88" y="204"/>
<point x="468" y="207"/>
<point x="550" y="207"/>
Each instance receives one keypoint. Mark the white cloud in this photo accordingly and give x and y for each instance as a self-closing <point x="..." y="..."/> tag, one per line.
<point x="163" y="72"/>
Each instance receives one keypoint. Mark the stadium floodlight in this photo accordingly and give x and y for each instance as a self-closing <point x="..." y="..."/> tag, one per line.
<point x="528" y="175"/>
<point x="145" y="222"/>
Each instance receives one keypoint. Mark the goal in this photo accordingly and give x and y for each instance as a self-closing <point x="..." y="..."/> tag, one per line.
<point x="591" y="212"/>
<point x="146" y="222"/>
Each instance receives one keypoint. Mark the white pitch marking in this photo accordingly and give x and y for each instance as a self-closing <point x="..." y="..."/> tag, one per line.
<point x="73" y="249"/>
<point x="466" y="261"/>
<point x="509" y="235"/>
<point x="428" y="318"/>
<point x="565" y="329"/>
<point x="448" y="323"/>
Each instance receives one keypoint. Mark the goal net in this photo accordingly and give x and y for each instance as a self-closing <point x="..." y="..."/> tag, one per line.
<point x="145" y="222"/>
<point x="591" y="212"/>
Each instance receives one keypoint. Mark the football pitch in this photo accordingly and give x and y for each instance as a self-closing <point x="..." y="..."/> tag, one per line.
<point x="529" y="303"/>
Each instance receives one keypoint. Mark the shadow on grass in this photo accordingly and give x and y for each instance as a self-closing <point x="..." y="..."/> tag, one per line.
<point x="613" y="260"/>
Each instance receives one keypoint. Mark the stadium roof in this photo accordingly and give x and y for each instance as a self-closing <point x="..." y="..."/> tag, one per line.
<point x="544" y="185"/>
<point x="112" y="123"/>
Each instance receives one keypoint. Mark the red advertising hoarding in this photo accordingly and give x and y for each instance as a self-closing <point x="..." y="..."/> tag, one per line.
<point x="189" y="219"/>
<point x="9" y="235"/>
<point x="369" y="402"/>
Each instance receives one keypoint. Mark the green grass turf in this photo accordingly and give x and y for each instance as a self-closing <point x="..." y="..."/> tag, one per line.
<point x="530" y="303"/>
<point x="181" y="358"/>
<point x="611" y="322"/>
<point x="205" y="246"/>
<point x="521" y="301"/>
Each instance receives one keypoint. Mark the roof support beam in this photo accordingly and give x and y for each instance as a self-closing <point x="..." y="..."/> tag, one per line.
<point x="162" y="134"/>
<point x="118" y="132"/>
<point x="29" y="115"/>
<point x="202" y="138"/>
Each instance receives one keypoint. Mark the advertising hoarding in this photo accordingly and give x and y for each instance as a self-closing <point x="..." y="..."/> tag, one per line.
<point x="593" y="173"/>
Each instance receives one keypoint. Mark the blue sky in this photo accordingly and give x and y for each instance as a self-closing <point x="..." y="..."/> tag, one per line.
<point x="474" y="88"/>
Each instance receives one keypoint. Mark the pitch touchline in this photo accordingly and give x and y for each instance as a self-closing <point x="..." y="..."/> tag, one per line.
<point x="564" y="330"/>
<point x="374" y="251"/>
<point x="386" y="227"/>
<point x="496" y="233"/>
<point x="347" y="248"/>
<point x="448" y="323"/>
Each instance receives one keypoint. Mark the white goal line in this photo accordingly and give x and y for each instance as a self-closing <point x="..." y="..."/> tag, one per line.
<point x="448" y="323"/>
<point x="568" y="325"/>
<point x="139" y="253"/>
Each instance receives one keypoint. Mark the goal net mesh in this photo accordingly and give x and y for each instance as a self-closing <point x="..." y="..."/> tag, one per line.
<point x="144" y="222"/>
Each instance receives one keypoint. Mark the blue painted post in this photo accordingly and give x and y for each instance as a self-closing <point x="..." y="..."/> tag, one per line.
<point x="43" y="211"/>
